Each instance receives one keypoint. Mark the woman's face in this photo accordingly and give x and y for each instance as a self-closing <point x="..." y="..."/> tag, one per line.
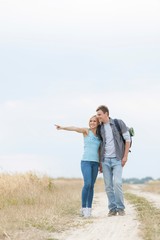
<point x="93" y="122"/>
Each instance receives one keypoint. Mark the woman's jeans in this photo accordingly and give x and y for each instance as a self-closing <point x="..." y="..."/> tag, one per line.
<point x="112" y="174"/>
<point x="89" y="170"/>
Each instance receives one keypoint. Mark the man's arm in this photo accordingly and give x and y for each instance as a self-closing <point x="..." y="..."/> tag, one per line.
<point x="127" y="138"/>
<point x="126" y="151"/>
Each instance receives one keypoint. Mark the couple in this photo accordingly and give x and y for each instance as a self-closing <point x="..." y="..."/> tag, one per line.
<point x="104" y="150"/>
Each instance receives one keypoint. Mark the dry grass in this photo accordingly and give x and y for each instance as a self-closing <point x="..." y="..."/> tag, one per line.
<point x="149" y="217"/>
<point x="33" y="207"/>
<point x="30" y="201"/>
<point x="153" y="187"/>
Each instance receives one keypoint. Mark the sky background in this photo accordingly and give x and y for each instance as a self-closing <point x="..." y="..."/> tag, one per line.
<point x="60" y="60"/>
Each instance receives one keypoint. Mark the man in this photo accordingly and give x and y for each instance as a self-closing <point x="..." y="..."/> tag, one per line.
<point x="113" y="157"/>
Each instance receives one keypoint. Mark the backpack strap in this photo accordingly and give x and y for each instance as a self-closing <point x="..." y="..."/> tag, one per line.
<point x="120" y="132"/>
<point x="118" y="126"/>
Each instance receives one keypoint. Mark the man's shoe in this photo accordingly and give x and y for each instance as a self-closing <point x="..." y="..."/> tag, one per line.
<point x="112" y="213"/>
<point x="121" y="212"/>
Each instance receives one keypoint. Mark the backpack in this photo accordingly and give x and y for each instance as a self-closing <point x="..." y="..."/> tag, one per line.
<point x="130" y="130"/>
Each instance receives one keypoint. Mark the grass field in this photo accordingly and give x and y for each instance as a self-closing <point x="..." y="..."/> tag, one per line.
<point x="153" y="187"/>
<point x="28" y="202"/>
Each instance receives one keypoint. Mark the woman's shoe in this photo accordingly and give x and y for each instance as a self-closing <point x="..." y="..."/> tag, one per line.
<point x="83" y="212"/>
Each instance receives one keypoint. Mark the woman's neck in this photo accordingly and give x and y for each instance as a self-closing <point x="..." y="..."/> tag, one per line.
<point x="93" y="130"/>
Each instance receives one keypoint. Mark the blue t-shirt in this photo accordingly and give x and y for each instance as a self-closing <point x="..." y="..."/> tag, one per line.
<point x="91" y="146"/>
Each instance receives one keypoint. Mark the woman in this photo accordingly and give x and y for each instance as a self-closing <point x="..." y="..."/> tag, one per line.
<point x="89" y="162"/>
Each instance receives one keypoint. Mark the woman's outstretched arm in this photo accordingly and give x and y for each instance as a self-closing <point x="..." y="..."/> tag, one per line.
<point x="72" y="128"/>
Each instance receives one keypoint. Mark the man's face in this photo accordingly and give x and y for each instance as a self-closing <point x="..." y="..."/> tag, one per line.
<point x="103" y="117"/>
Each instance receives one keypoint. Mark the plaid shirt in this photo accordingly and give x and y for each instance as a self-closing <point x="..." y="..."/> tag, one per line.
<point x="118" y="142"/>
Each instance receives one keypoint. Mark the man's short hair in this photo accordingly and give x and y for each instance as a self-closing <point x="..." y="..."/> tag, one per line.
<point x="103" y="108"/>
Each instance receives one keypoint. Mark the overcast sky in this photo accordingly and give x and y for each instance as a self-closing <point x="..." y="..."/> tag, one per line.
<point x="59" y="60"/>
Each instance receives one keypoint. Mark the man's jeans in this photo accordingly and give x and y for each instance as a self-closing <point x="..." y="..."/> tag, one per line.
<point x="112" y="174"/>
<point x="89" y="171"/>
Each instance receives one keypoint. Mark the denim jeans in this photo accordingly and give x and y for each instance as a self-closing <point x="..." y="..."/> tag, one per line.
<point x="112" y="174"/>
<point x="89" y="170"/>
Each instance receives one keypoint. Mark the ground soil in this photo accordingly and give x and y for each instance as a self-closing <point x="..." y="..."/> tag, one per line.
<point x="103" y="227"/>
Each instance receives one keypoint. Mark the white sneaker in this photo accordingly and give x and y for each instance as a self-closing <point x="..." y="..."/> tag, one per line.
<point x="87" y="212"/>
<point x="83" y="212"/>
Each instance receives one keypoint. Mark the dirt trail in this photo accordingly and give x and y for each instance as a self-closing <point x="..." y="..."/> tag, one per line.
<point x="103" y="227"/>
<point x="153" y="198"/>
